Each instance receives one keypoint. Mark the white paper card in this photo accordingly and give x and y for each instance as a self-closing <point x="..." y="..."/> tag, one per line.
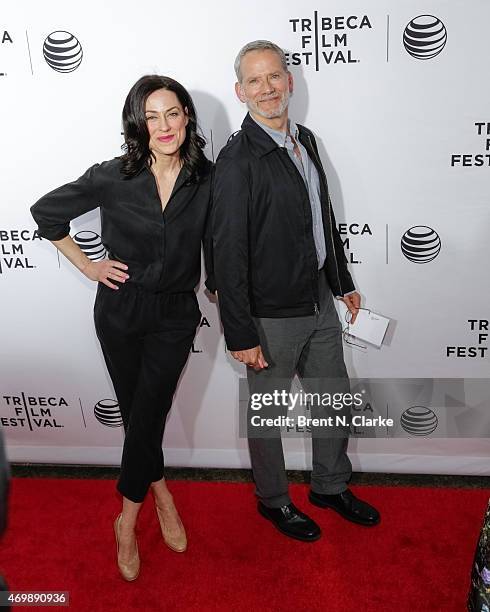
<point x="370" y="327"/>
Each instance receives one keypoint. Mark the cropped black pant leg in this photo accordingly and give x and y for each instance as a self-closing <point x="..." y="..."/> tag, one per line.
<point x="146" y="339"/>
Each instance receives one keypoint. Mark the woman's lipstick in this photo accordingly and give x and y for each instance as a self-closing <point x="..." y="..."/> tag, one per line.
<point x="165" y="138"/>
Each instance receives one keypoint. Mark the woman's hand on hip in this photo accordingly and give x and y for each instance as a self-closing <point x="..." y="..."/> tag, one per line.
<point x="106" y="270"/>
<point x="103" y="271"/>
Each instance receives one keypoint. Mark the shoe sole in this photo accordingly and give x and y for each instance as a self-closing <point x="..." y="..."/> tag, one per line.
<point x="177" y="550"/>
<point x="321" y="504"/>
<point x="287" y="533"/>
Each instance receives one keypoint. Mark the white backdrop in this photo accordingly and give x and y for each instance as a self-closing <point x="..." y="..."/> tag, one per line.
<point x="392" y="130"/>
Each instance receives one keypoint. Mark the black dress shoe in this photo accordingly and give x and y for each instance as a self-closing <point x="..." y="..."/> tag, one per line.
<point x="348" y="506"/>
<point x="291" y="522"/>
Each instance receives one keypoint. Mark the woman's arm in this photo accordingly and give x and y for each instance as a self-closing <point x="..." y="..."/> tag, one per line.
<point x="100" y="271"/>
<point x="53" y="213"/>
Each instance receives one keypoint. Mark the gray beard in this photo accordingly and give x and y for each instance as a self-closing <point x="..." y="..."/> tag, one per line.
<point x="271" y="114"/>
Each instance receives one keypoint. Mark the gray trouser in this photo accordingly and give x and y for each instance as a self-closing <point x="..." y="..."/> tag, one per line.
<point x="310" y="346"/>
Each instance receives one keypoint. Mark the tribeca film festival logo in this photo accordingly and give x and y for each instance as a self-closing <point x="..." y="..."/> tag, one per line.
<point x="91" y="244"/>
<point x="479" y="347"/>
<point x="6" y="40"/>
<point x="348" y="231"/>
<point x="324" y="40"/>
<point x="420" y="244"/>
<point x="476" y="160"/>
<point x="32" y="412"/>
<point x="12" y="249"/>
<point x="107" y="412"/>
<point x="424" y="37"/>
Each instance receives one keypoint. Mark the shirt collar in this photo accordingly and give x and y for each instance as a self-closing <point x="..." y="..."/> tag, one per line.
<point x="282" y="139"/>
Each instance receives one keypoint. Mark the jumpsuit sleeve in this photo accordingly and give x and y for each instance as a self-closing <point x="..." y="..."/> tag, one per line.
<point x="54" y="211"/>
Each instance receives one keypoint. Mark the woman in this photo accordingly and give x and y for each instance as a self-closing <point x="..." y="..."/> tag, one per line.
<point x="154" y="203"/>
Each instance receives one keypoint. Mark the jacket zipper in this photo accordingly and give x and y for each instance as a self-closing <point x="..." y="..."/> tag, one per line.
<point x="316" y="307"/>
<point x="329" y="212"/>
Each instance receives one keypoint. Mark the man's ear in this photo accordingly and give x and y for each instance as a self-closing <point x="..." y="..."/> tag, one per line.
<point x="290" y="82"/>
<point x="239" y="92"/>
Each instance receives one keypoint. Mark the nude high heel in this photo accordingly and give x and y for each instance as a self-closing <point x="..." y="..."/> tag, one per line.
<point x="177" y="543"/>
<point x="129" y="571"/>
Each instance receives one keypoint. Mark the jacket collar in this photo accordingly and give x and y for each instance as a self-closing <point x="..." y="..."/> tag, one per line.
<point x="262" y="142"/>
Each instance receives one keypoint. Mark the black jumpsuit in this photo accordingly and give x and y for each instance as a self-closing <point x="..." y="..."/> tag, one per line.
<point x="146" y="328"/>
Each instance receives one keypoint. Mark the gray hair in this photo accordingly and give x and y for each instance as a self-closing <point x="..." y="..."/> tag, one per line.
<point x="258" y="45"/>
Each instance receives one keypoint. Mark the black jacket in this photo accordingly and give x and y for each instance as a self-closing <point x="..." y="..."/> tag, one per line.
<point x="265" y="259"/>
<point x="162" y="251"/>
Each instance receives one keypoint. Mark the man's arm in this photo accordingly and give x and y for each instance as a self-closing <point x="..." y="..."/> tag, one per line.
<point x="231" y="256"/>
<point x="207" y="243"/>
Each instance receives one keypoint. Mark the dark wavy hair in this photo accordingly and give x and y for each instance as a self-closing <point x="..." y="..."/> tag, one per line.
<point x="136" y="148"/>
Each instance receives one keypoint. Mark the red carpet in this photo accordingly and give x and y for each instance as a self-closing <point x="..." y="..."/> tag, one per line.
<point x="418" y="559"/>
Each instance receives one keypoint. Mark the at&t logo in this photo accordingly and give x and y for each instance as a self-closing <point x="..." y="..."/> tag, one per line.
<point x="419" y="421"/>
<point x="424" y="37"/>
<point x="91" y="244"/>
<point x="107" y="412"/>
<point x="62" y="51"/>
<point x="420" y="244"/>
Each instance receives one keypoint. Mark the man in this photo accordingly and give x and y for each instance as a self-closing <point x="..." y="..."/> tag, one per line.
<point x="278" y="259"/>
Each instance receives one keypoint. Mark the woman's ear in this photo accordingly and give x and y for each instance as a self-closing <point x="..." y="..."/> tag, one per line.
<point x="186" y="113"/>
